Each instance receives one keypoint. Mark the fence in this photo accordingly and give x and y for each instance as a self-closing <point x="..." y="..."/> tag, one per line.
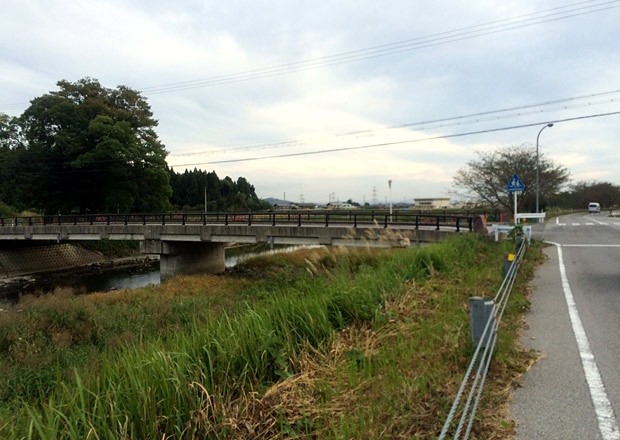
<point x="482" y="357"/>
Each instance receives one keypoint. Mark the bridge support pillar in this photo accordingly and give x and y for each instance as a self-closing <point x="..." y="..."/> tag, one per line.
<point x="185" y="258"/>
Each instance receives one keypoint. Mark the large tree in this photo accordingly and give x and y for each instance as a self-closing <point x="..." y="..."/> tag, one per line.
<point x="90" y="148"/>
<point x="486" y="178"/>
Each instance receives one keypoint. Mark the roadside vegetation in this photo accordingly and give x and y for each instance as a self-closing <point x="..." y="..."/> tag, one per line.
<point x="320" y="343"/>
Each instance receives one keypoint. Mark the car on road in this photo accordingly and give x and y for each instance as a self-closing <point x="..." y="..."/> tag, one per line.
<point x="594" y="208"/>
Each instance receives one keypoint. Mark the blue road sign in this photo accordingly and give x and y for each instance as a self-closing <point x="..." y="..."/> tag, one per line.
<point x="516" y="185"/>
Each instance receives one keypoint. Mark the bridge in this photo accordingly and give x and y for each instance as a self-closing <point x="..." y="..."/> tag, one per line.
<point x="190" y="243"/>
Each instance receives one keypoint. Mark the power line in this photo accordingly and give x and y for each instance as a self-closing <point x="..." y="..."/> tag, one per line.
<point x="385" y="144"/>
<point x="360" y="147"/>
<point x="445" y="37"/>
<point x="423" y="124"/>
<point x="460" y="34"/>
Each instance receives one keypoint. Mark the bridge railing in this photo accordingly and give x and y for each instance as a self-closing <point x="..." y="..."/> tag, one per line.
<point x="272" y="218"/>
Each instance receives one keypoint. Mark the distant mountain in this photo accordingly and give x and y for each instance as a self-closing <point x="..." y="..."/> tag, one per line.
<point x="275" y="201"/>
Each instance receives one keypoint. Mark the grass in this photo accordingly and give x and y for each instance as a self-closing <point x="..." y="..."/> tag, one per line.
<point x="321" y="344"/>
<point x="111" y="248"/>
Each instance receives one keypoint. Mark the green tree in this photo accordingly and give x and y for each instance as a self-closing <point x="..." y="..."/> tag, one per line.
<point x="90" y="148"/>
<point x="486" y="178"/>
<point x="582" y="193"/>
<point x="222" y="195"/>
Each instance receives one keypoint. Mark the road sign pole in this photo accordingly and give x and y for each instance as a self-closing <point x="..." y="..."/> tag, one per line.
<point x="515" y="199"/>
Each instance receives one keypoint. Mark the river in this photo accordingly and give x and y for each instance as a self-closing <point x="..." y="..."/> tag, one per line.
<point x="118" y="278"/>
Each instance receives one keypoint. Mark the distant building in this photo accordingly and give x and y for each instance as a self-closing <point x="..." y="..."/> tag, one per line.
<point x="432" y="203"/>
<point x="339" y="205"/>
<point x="306" y="205"/>
<point x="285" y="206"/>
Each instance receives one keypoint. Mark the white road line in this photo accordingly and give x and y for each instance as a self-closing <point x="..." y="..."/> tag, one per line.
<point x="589" y="224"/>
<point x="575" y="224"/>
<point x="561" y="224"/>
<point x="607" y="424"/>
<point x="591" y="245"/>
<point x="597" y="221"/>
<point x="557" y="220"/>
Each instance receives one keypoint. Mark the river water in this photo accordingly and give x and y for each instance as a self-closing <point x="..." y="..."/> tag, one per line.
<point x="119" y="278"/>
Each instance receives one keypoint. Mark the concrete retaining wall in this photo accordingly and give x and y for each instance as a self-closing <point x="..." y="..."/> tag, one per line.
<point x="17" y="261"/>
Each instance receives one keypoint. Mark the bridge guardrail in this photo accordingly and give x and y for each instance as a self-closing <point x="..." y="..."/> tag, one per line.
<point x="273" y="218"/>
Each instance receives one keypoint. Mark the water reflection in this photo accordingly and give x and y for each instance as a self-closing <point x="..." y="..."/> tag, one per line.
<point x="123" y="277"/>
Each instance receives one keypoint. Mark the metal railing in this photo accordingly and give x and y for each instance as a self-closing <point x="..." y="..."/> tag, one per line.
<point x="482" y="358"/>
<point x="272" y="218"/>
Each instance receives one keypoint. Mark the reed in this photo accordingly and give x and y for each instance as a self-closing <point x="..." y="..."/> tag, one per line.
<point x="208" y="374"/>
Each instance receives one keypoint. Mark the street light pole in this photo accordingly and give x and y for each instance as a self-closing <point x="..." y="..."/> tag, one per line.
<point x="537" y="189"/>
<point x="390" y="185"/>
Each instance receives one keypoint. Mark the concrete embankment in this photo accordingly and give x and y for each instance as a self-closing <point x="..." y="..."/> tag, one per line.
<point x="17" y="261"/>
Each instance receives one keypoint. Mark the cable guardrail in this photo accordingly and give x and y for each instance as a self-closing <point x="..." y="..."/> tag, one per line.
<point x="486" y="345"/>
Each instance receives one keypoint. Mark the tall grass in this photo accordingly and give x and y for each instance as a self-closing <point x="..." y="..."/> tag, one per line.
<point x="182" y="385"/>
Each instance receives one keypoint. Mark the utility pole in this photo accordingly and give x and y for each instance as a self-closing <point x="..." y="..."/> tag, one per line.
<point x="374" y="195"/>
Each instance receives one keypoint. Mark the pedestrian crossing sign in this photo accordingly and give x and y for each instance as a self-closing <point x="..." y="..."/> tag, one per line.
<point x="515" y="184"/>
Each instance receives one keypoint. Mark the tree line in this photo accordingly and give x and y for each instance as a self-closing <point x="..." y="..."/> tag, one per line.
<point x="188" y="192"/>
<point x="88" y="148"/>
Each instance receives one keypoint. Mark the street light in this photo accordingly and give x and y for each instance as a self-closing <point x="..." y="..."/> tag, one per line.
<point x="537" y="197"/>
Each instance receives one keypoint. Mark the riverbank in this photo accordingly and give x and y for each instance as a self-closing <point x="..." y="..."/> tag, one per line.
<point x="325" y="343"/>
<point x="46" y="281"/>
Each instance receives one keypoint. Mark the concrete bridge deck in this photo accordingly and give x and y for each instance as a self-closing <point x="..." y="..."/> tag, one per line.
<point x="194" y="243"/>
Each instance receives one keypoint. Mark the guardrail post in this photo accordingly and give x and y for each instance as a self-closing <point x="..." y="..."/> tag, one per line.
<point x="480" y="310"/>
<point x="144" y="219"/>
<point x="437" y="223"/>
<point x="273" y="223"/>
<point x="107" y="217"/>
<point x="59" y="219"/>
<point x="125" y="219"/>
<point x="226" y="219"/>
<point x="458" y="227"/>
<point x="29" y="221"/>
<point x="163" y="219"/>
<point x="249" y="219"/>
<point x="204" y="219"/>
<point x="327" y="219"/>
<point x="183" y="219"/>
<point x="299" y="220"/>
<point x="355" y="221"/>
<point x="471" y="223"/>
<point x="386" y="221"/>
<point x="417" y="221"/>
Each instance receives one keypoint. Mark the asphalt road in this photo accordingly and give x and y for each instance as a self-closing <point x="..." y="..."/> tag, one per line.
<point x="573" y="392"/>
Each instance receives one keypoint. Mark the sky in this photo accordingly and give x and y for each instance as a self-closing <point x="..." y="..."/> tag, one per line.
<point x="350" y="94"/>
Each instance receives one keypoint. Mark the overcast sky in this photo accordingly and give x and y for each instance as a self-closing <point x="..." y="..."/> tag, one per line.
<point x="253" y="79"/>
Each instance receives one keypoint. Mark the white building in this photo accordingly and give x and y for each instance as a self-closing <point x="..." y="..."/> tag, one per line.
<point x="432" y="203"/>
